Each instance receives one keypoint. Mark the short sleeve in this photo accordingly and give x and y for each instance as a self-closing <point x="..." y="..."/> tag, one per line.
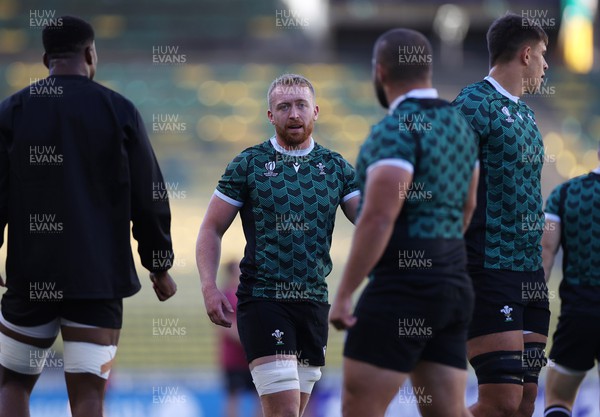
<point x="475" y="109"/>
<point x="233" y="185"/>
<point x="391" y="148"/>
<point x="552" y="211"/>
<point x="350" y="186"/>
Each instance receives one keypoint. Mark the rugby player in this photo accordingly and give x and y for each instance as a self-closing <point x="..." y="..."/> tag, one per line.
<point x="287" y="191"/>
<point x="508" y="332"/>
<point x="417" y="173"/>
<point x="76" y="168"/>
<point x="573" y="223"/>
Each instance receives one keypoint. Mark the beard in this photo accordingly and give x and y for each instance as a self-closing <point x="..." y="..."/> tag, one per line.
<point x="380" y="93"/>
<point x="294" y="140"/>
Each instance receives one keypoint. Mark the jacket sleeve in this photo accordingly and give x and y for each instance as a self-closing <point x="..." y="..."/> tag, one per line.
<point x="150" y="212"/>
<point x="4" y="168"/>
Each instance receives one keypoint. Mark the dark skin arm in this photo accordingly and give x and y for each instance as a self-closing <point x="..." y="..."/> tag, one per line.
<point x="381" y="207"/>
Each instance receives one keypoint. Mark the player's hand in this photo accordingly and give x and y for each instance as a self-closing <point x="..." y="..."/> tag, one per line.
<point x="163" y="285"/>
<point x="215" y="301"/>
<point x="340" y="314"/>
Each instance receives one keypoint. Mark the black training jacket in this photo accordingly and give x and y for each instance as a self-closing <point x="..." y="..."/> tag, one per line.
<point x="76" y="170"/>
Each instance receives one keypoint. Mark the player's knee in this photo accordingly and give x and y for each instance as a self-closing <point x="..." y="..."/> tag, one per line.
<point x="501" y="367"/>
<point x="81" y="357"/>
<point x="21" y="358"/>
<point x="273" y="377"/>
<point x="534" y="359"/>
<point x="505" y="409"/>
<point x="308" y="376"/>
<point x="526" y="408"/>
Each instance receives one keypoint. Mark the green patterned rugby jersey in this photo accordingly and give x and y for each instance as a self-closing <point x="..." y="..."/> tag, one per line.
<point x="428" y="137"/>
<point x="288" y="202"/>
<point x="507" y="225"/>
<point x="576" y="205"/>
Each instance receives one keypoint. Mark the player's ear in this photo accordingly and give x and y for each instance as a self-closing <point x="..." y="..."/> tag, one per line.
<point x="45" y="60"/>
<point x="525" y="54"/>
<point x="89" y="56"/>
<point x="270" y="116"/>
<point x="316" y="112"/>
<point x="380" y="72"/>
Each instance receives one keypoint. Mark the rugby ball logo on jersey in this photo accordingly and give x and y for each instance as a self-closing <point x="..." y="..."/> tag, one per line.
<point x="506" y="112"/>
<point x="270" y="167"/>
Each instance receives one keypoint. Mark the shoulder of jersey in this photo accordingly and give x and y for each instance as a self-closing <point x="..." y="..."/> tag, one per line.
<point x="321" y="150"/>
<point x="258" y="149"/>
<point x="480" y="91"/>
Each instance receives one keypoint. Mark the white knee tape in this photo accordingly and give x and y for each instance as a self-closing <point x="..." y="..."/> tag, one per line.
<point x="277" y="376"/>
<point x="21" y="357"/>
<point x="81" y="357"/>
<point x="308" y="376"/>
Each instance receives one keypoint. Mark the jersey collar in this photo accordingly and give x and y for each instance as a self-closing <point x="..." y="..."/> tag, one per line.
<point x="415" y="93"/>
<point x="292" y="152"/>
<point x="501" y="89"/>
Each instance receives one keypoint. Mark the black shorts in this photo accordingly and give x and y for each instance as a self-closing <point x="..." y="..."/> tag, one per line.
<point x="576" y="342"/>
<point x="238" y="380"/>
<point x="400" y="324"/>
<point x="22" y="311"/>
<point x="269" y="327"/>
<point x="509" y="300"/>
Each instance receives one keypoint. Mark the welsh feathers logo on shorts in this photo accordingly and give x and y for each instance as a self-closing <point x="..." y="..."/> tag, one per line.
<point x="278" y="335"/>
<point x="506" y="310"/>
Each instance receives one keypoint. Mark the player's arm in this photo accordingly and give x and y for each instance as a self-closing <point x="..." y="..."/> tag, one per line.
<point x="375" y="225"/>
<point x="351" y="195"/>
<point x="552" y="234"/>
<point x="218" y="218"/>
<point x="151" y="217"/>
<point x="350" y="207"/>
<point x="471" y="201"/>
<point x="230" y="333"/>
<point x="550" y="244"/>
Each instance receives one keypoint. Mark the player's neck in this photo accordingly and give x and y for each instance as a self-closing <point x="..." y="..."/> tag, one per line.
<point x="69" y="68"/>
<point x="393" y="91"/>
<point x="508" y="78"/>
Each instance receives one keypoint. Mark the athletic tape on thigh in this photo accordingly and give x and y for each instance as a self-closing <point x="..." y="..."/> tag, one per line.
<point x="501" y="367"/>
<point x="534" y="359"/>
<point x="308" y="376"/>
<point x="81" y="357"/>
<point x="21" y="357"/>
<point x="277" y="376"/>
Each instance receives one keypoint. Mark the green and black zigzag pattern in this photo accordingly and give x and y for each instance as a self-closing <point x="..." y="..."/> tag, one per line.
<point x="511" y="156"/>
<point x="292" y="215"/>
<point x="580" y="228"/>
<point x="436" y="140"/>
